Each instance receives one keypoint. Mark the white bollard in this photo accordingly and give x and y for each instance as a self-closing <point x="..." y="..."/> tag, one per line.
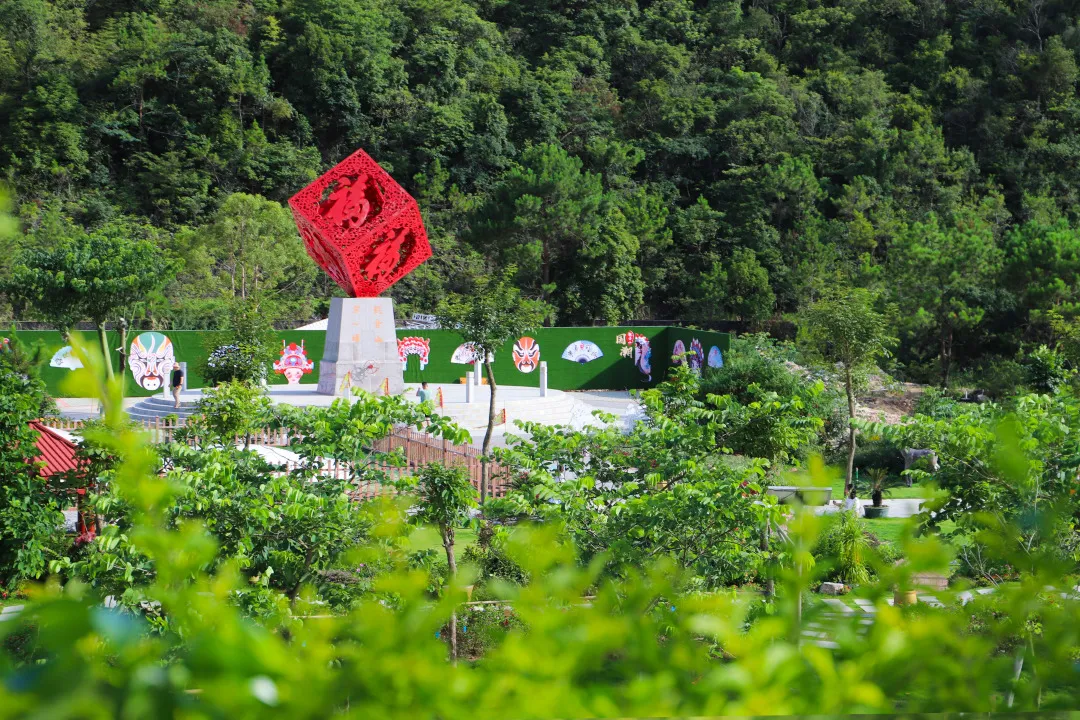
<point x="468" y="387"/>
<point x="543" y="378"/>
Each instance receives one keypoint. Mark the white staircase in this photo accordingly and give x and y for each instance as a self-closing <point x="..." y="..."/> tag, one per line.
<point x="156" y="407"/>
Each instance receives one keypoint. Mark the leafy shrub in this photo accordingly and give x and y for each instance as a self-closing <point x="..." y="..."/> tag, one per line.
<point x="230" y="412"/>
<point x="31" y="524"/>
<point x="246" y="351"/>
<point x="236" y="362"/>
<point x="491" y="558"/>
<point x="1001" y="377"/>
<point x="756" y="365"/>
<point x="938" y="404"/>
<point x="879" y="453"/>
<point x="432" y="562"/>
<point x="1046" y="371"/>
<point x="843" y="548"/>
<point x="482" y="626"/>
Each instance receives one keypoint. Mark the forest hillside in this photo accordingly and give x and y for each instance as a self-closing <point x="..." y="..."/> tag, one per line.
<point x="634" y="160"/>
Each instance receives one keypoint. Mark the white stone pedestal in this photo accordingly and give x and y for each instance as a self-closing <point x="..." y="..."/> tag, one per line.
<point x="361" y="348"/>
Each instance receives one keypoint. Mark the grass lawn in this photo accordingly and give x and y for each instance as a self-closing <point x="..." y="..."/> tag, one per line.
<point x="427" y="538"/>
<point x="887" y="529"/>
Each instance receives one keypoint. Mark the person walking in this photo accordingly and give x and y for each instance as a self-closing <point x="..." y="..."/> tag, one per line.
<point x="177" y="383"/>
<point x="423" y="394"/>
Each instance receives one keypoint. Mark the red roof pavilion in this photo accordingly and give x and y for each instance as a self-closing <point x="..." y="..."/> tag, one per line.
<point x="57" y="452"/>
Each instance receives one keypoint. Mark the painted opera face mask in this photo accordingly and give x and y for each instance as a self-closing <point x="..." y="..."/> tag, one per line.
<point x="151" y="360"/>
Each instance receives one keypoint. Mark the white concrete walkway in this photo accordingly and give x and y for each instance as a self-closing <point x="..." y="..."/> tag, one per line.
<point x="519" y="403"/>
<point x="898" y="507"/>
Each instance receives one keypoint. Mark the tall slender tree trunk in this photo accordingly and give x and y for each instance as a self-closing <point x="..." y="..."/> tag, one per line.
<point x="123" y="353"/>
<point x="851" y="432"/>
<point x="770" y="583"/>
<point x="105" y="349"/>
<point x="451" y="563"/>
<point x="485" y="467"/>
<point x="946" y="355"/>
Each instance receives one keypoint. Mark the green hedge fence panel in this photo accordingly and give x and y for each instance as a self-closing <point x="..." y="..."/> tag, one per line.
<point x="611" y="371"/>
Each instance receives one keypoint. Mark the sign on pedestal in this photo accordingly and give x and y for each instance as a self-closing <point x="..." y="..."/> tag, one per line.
<point x="361" y="344"/>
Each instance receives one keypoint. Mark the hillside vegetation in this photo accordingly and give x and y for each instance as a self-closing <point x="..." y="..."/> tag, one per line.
<point x="698" y="161"/>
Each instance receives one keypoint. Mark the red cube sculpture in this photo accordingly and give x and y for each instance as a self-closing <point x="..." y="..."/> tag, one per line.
<point x="360" y="226"/>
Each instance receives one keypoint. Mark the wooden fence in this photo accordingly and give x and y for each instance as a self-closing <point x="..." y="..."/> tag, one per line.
<point x="419" y="449"/>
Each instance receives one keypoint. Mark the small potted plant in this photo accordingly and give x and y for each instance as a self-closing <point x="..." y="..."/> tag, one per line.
<point x="879" y="482"/>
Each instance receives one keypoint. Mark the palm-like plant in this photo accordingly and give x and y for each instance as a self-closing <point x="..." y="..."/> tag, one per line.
<point x="879" y="483"/>
<point x="852" y="548"/>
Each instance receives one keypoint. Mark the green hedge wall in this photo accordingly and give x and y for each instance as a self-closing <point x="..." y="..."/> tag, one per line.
<point x="609" y="372"/>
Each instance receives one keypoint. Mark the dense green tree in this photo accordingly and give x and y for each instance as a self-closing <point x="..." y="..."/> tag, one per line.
<point x="31" y="524"/>
<point x="249" y="250"/>
<point x="845" y="331"/>
<point x="445" y="497"/>
<point x="621" y="155"/>
<point x="736" y="290"/>
<point x="94" y="276"/>
<point x="939" y="268"/>
<point x="570" y="243"/>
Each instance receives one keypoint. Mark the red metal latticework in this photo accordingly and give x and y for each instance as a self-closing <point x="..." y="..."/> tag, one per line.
<point x="360" y="226"/>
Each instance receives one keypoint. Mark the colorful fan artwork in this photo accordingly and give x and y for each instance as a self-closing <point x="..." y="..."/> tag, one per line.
<point x="677" y="353"/>
<point x="294" y="362"/>
<point x="716" y="358"/>
<point x="643" y="356"/>
<point x="582" y="351"/>
<point x="526" y="354"/>
<point x="465" y="354"/>
<point x="421" y="346"/>
<point x="151" y="360"/>
<point x="697" y="359"/>
<point x="637" y="347"/>
<point x="65" y="358"/>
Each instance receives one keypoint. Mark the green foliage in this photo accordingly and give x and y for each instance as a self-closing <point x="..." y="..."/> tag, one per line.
<point x="937" y="404"/>
<point x="92" y="276"/>
<point x="495" y="313"/>
<point x="234" y="363"/>
<point x="879" y="453"/>
<point x="844" y="331"/>
<point x="702" y="162"/>
<point x="190" y="555"/>
<point x="877" y="482"/>
<point x="15" y="357"/>
<point x="756" y="368"/>
<point x="940" y="268"/>
<point x="491" y="559"/>
<point x="245" y="351"/>
<point x="229" y="413"/>
<point x="662" y="490"/>
<point x="1001" y="378"/>
<point x="31" y="524"/>
<point x="999" y="466"/>
<point x="350" y="430"/>
<point x="445" y="496"/>
<point x="845" y="544"/>
<point x="1046" y="371"/>
<point x="97" y="276"/>
<point x="568" y="238"/>
<point x="737" y="290"/>
<point x="279" y="530"/>
<point x="247" y="249"/>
